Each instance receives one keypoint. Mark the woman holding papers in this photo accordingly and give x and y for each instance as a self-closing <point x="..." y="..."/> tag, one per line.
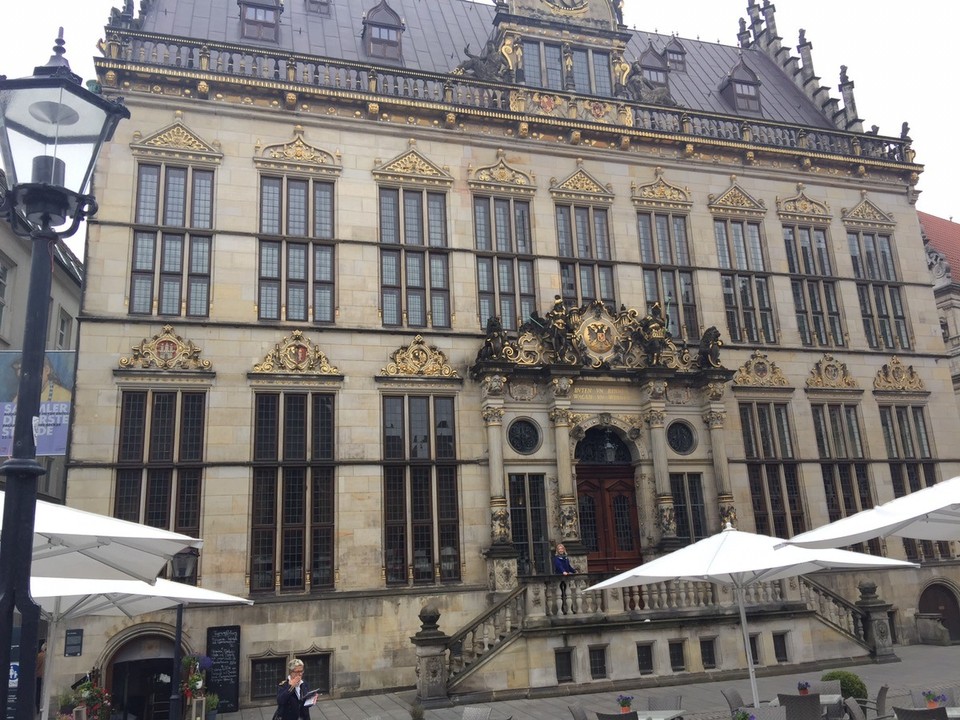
<point x="293" y="698"/>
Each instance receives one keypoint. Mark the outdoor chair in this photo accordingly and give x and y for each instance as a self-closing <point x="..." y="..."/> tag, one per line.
<point x="734" y="700"/>
<point x="937" y="713"/>
<point x="801" y="707"/>
<point x="578" y="712"/>
<point x="766" y="712"/>
<point x="664" y="702"/>
<point x="829" y="687"/>
<point x="476" y="713"/>
<point x="877" y="706"/>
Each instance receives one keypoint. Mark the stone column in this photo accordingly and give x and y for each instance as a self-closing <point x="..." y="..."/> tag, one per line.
<point x="714" y="418"/>
<point x="562" y="389"/>
<point x="431" y="645"/>
<point x="501" y="556"/>
<point x="876" y="628"/>
<point x="656" y="418"/>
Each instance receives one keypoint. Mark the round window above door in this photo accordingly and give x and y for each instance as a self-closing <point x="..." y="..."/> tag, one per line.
<point x="681" y="438"/>
<point x="524" y="436"/>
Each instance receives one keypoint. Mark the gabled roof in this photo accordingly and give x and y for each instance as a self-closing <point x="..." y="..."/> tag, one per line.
<point x="437" y="31"/>
<point x="944" y="236"/>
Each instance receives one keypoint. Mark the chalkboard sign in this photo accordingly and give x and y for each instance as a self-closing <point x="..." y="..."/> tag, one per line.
<point x="223" y="647"/>
<point x="73" y="642"/>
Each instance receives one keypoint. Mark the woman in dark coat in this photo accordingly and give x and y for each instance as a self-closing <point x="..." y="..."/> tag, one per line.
<point x="292" y="692"/>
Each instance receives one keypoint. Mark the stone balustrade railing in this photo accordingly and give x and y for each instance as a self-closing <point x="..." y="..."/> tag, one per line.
<point x="362" y="81"/>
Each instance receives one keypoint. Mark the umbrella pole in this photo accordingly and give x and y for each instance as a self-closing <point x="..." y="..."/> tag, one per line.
<point x="738" y="591"/>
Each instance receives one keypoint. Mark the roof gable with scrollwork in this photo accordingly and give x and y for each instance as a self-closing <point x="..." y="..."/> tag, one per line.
<point x="165" y="351"/>
<point x="736" y="201"/>
<point x="894" y="376"/>
<point x="866" y="214"/>
<point x="828" y="373"/>
<point x="412" y="167"/>
<point x="581" y="186"/>
<point x="298" y="156"/>
<point x="296" y="354"/>
<point x="176" y="142"/>
<point x="661" y="195"/>
<point x="501" y="178"/>
<point x="419" y="360"/>
<point x="760" y="371"/>
<point x="801" y="208"/>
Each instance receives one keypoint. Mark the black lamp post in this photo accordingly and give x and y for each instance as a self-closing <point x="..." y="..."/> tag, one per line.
<point x="182" y="564"/>
<point x="51" y="132"/>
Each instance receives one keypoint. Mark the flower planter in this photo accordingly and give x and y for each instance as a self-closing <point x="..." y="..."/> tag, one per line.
<point x="805" y="691"/>
<point x="932" y="704"/>
<point x="624" y="709"/>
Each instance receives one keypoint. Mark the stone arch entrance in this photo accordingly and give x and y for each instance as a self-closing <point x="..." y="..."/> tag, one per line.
<point x="940" y="599"/>
<point x="607" y="501"/>
<point x="139" y="677"/>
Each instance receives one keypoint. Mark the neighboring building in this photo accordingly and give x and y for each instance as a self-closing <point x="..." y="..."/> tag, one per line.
<point x="941" y="240"/>
<point x="386" y="298"/>
<point x="67" y="280"/>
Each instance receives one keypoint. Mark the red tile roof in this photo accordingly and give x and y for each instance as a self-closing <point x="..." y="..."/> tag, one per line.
<point x="943" y="235"/>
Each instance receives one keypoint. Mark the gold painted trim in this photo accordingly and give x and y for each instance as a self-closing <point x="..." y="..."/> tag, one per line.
<point x="660" y="194"/>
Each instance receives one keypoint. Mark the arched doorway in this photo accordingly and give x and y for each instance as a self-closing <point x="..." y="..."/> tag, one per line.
<point x="607" y="502"/>
<point x="139" y="678"/>
<point x="940" y="599"/>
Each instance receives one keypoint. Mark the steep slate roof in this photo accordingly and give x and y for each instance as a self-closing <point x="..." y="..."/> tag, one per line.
<point x="438" y="30"/>
<point x="943" y="235"/>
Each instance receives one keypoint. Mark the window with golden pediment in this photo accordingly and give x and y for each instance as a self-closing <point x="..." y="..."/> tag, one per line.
<point x="747" y="297"/>
<point x="879" y="289"/>
<point x="667" y="277"/>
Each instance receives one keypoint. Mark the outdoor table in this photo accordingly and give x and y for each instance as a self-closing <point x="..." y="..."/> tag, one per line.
<point x="953" y="712"/>
<point x="828" y="699"/>
<point x="666" y="714"/>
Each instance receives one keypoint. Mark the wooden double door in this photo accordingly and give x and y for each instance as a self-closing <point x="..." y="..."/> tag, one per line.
<point x="609" y="526"/>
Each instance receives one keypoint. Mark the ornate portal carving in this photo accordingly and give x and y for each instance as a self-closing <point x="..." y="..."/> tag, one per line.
<point x="894" y="375"/>
<point x="419" y="359"/>
<point x="759" y="370"/>
<point x="165" y="351"/>
<point x="568" y="522"/>
<point x="296" y="354"/>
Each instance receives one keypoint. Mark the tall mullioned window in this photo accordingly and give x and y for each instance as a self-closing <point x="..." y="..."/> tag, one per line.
<point x="160" y="459"/>
<point x="421" y="521"/>
<point x="505" y="260"/>
<point x="814" y="288"/>
<point x="747" y="298"/>
<point x="772" y="469"/>
<point x="172" y="241"/>
<point x="414" y="258"/>
<point x="879" y="290"/>
<point x="292" y="524"/>
<point x="296" y="251"/>
<point x="667" y="278"/>
<point x="543" y="67"/>
<point x="586" y="259"/>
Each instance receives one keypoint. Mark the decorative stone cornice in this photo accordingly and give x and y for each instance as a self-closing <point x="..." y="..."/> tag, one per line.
<point x="661" y="195"/>
<point x="297" y="355"/>
<point x="832" y="374"/>
<point x="502" y="178"/>
<point x="165" y="351"/>
<point x="418" y="359"/>
<point x="895" y="376"/>
<point x="759" y="371"/>
<point x="298" y="156"/>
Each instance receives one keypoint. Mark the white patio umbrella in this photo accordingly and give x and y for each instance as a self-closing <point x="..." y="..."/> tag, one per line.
<point x="73" y="543"/>
<point x="740" y="559"/>
<point x="62" y="599"/>
<point x="929" y="514"/>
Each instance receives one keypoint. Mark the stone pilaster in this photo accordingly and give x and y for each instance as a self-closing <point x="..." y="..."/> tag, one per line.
<point x="876" y="626"/>
<point x="431" y="645"/>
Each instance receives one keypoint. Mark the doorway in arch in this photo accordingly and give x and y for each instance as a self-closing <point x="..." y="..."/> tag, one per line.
<point x="940" y="599"/>
<point x="607" y="498"/>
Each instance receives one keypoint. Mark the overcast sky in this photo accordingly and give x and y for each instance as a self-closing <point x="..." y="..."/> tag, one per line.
<point x="896" y="55"/>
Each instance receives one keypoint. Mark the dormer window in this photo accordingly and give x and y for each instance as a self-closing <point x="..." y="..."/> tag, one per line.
<point x="741" y="89"/>
<point x="320" y="7"/>
<point x="654" y="66"/>
<point x="260" y="20"/>
<point x="382" y="32"/>
<point x="676" y="56"/>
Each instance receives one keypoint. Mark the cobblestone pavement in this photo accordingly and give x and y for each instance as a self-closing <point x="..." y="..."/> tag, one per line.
<point x="921" y="667"/>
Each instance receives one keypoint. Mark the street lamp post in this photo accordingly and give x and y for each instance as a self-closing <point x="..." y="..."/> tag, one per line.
<point x="51" y="132"/>
<point x="182" y="565"/>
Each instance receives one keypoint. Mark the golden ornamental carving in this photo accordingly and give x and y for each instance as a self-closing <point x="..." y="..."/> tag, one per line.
<point x="559" y="416"/>
<point x="567" y="7"/>
<point x="419" y="359"/>
<point x="165" y="351"/>
<point x="714" y="391"/>
<point x="561" y="387"/>
<point x="493" y="386"/>
<point x="661" y="194"/>
<point x="177" y="137"/>
<point x="800" y="207"/>
<point x="760" y="371"/>
<point x="413" y="167"/>
<point x="896" y="376"/>
<point x="655" y="418"/>
<point x="492" y="415"/>
<point x="297" y="153"/>
<point x="866" y="214"/>
<point x="296" y="354"/>
<point x="501" y="177"/>
<point x="714" y="419"/>
<point x="829" y="373"/>
<point x="736" y="201"/>
<point x="176" y="141"/>
<point x="580" y="186"/>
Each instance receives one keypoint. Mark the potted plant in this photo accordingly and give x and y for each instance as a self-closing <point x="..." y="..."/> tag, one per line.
<point x="211" y="703"/>
<point x="624" y="701"/>
<point x="96" y="699"/>
<point x="743" y="715"/>
<point x="934" y="698"/>
<point x="803" y="687"/>
<point x="193" y="667"/>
